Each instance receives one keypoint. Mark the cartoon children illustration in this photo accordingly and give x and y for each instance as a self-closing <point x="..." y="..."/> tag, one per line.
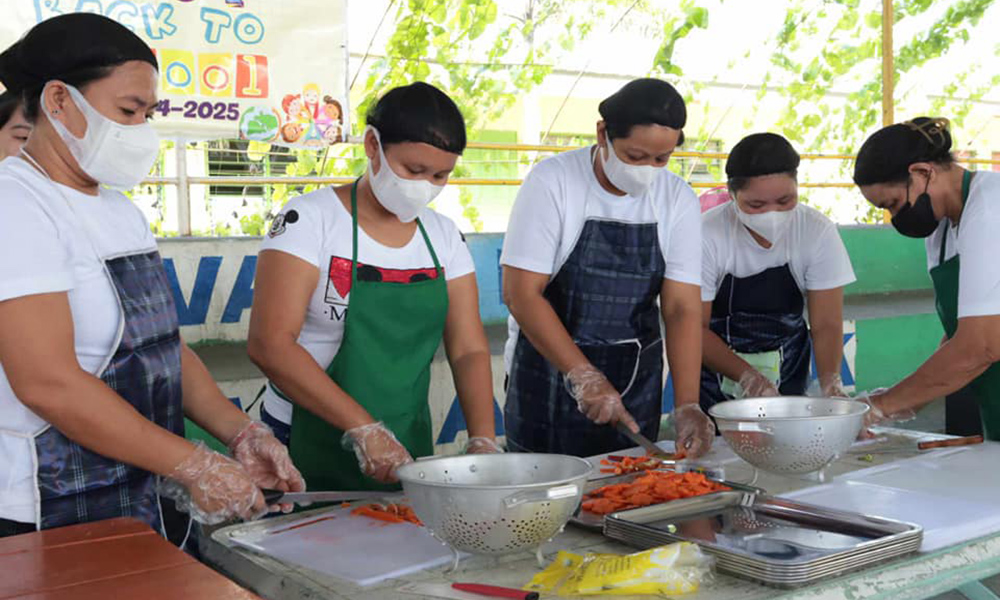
<point x="310" y="100"/>
<point x="332" y="110"/>
<point x="294" y="109"/>
<point x="291" y="132"/>
<point x="333" y="134"/>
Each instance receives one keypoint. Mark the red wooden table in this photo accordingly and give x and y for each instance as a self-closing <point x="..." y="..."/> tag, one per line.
<point x="118" y="558"/>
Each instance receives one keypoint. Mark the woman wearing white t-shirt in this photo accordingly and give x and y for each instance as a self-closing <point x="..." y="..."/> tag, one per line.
<point x="765" y="256"/>
<point x="908" y="169"/>
<point x="604" y="243"/>
<point x="356" y="288"/>
<point x="95" y="379"/>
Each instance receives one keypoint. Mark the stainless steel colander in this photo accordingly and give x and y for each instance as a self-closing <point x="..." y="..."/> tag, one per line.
<point x="495" y="504"/>
<point x="789" y="434"/>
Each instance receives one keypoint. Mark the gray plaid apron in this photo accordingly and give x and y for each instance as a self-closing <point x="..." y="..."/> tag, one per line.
<point x="606" y="296"/>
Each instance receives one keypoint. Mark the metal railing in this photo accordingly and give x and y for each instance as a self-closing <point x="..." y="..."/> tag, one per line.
<point x="183" y="181"/>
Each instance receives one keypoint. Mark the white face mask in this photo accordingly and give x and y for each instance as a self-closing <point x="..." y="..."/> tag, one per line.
<point x="770" y="225"/>
<point x="634" y="180"/>
<point x="404" y="198"/>
<point x="118" y="156"/>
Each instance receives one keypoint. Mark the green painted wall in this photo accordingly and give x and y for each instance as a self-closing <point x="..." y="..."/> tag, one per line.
<point x="890" y="349"/>
<point x="884" y="261"/>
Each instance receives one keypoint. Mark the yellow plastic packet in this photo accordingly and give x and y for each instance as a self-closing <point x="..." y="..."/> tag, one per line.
<point x="668" y="570"/>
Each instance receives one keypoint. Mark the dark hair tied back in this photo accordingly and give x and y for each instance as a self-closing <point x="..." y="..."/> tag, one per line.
<point x="887" y="154"/>
<point x="418" y="112"/>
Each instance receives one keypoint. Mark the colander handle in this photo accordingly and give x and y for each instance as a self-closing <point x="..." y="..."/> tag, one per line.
<point x="743" y="426"/>
<point x="555" y="493"/>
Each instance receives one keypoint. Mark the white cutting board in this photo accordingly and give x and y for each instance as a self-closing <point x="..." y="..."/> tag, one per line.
<point x="954" y="494"/>
<point x="358" y="549"/>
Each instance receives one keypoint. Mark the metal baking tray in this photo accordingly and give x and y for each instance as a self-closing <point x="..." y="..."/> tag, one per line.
<point x="589" y="520"/>
<point x="772" y="540"/>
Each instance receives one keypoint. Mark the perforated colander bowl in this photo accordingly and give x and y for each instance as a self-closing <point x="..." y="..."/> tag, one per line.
<point x="495" y="503"/>
<point x="789" y="434"/>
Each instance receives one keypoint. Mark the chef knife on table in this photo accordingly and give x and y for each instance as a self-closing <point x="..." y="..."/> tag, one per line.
<point x="280" y="497"/>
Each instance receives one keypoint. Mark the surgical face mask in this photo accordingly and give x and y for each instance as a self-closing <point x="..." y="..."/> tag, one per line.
<point x="770" y="225"/>
<point x="118" y="156"/>
<point x="916" y="220"/>
<point x="634" y="180"/>
<point x="404" y="198"/>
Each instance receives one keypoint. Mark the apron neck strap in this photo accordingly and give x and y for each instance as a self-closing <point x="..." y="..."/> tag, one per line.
<point x="354" y="226"/>
<point x="966" y="184"/>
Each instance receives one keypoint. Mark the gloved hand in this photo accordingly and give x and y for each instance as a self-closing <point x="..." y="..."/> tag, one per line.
<point x="379" y="452"/>
<point x="753" y="384"/>
<point x="695" y="431"/>
<point x="213" y="488"/>
<point x="877" y="415"/>
<point x="597" y="398"/>
<point x="832" y="387"/>
<point x="266" y="460"/>
<point x="482" y="445"/>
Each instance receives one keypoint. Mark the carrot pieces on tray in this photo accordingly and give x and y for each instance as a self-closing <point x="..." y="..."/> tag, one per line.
<point x="653" y="487"/>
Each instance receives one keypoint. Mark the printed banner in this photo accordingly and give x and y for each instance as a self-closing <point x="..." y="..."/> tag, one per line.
<point x="265" y="70"/>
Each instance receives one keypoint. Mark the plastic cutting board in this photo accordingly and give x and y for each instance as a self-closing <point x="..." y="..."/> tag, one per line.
<point x="954" y="494"/>
<point x="354" y="548"/>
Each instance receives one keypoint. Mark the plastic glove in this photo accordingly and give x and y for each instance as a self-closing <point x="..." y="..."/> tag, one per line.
<point x="483" y="445"/>
<point x="832" y="387"/>
<point x="597" y="398"/>
<point x="877" y="415"/>
<point x="213" y="488"/>
<point x="753" y="384"/>
<point x="266" y="460"/>
<point x="379" y="452"/>
<point x="695" y="431"/>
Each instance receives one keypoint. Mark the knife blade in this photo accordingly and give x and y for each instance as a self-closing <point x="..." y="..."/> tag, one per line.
<point x="641" y="440"/>
<point x="280" y="497"/>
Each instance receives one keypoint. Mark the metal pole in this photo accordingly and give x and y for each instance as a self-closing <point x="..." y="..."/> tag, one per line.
<point x="183" y="190"/>
<point x="888" y="66"/>
<point x="888" y="76"/>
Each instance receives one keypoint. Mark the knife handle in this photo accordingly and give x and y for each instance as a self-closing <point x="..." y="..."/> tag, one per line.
<point x="962" y="441"/>
<point x="495" y="591"/>
<point x="271" y="496"/>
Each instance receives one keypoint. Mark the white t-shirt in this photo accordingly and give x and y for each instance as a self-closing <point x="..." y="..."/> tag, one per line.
<point x="976" y="241"/>
<point x="561" y="194"/>
<point x="317" y="228"/>
<point x="44" y="249"/>
<point x="811" y="247"/>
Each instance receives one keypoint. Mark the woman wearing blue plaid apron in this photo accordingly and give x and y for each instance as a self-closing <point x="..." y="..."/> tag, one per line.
<point x="764" y="257"/>
<point x="603" y="244"/>
<point x="95" y="379"/>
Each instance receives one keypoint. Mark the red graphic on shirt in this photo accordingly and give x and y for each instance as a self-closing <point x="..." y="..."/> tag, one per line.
<point x="338" y="284"/>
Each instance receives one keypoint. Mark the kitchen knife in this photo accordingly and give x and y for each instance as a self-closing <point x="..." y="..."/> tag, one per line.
<point x="875" y="446"/>
<point x="279" y="497"/>
<point x="641" y="440"/>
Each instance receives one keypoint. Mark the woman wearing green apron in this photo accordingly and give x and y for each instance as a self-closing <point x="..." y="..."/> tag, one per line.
<point x="908" y="169"/>
<point x="356" y="288"/>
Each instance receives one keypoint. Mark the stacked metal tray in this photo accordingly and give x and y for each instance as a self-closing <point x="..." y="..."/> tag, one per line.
<point x="772" y="540"/>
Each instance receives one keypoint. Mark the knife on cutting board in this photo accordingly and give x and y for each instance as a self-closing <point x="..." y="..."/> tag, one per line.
<point x="280" y="497"/>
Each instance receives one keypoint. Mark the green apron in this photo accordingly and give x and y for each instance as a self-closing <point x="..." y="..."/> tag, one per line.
<point x="391" y="333"/>
<point x="986" y="387"/>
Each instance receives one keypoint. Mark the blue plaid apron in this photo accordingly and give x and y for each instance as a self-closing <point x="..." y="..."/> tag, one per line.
<point x="761" y="313"/>
<point x="606" y="297"/>
<point x="76" y="485"/>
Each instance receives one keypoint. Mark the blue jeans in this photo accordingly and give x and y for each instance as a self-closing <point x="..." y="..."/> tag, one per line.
<point x="282" y="431"/>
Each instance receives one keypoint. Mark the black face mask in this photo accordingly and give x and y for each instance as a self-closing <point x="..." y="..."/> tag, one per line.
<point x="916" y="220"/>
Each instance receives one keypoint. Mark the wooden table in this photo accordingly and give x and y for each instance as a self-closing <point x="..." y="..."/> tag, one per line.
<point x="118" y="558"/>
